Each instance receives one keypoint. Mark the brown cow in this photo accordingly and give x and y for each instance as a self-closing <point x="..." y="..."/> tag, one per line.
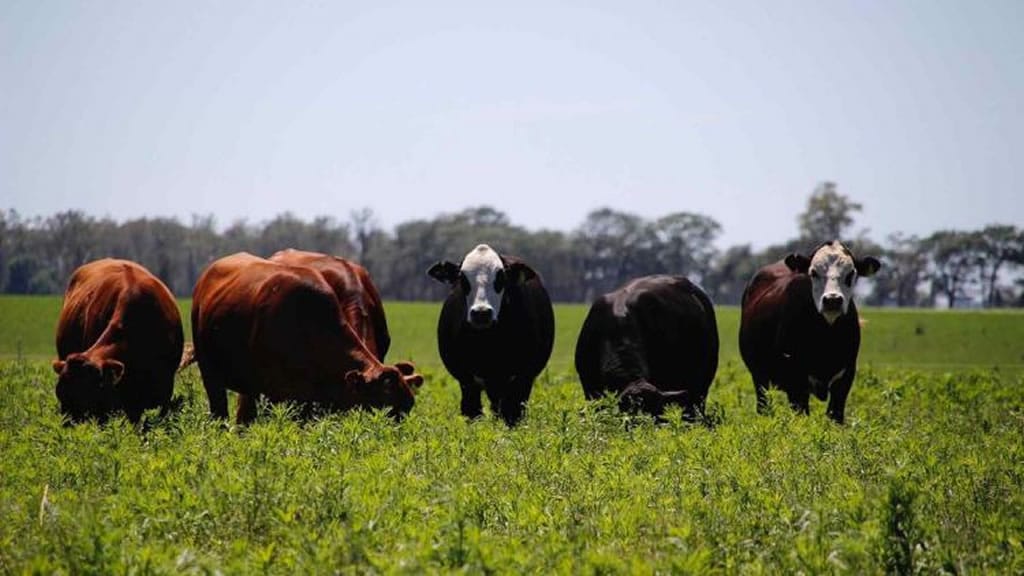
<point x="799" y="328"/>
<point x="264" y="327"/>
<point x="119" y="341"/>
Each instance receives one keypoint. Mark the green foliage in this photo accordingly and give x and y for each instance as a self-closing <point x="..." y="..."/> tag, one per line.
<point x="828" y="215"/>
<point x="926" y="477"/>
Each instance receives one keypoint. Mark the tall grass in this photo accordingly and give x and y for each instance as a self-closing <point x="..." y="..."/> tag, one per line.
<point x="926" y="477"/>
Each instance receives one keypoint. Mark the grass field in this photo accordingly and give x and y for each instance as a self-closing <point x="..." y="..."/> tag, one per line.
<point x="935" y="340"/>
<point x="927" y="475"/>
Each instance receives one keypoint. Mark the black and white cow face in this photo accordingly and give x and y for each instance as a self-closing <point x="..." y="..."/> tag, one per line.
<point x="833" y="271"/>
<point x="482" y="279"/>
<point x="485" y="272"/>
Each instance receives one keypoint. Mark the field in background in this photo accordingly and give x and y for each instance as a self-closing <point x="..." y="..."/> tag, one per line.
<point x="927" y="476"/>
<point x="939" y="340"/>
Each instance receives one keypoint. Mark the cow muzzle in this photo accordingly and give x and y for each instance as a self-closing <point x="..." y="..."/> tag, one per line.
<point x="481" y="317"/>
<point x="832" y="306"/>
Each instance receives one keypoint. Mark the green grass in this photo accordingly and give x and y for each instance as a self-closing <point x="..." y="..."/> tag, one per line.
<point x="927" y="476"/>
<point x="935" y="340"/>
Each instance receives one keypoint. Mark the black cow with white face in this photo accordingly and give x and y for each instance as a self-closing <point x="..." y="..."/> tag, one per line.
<point x="653" y="343"/>
<point x="496" y="329"/>
<point x="800" y="330"/>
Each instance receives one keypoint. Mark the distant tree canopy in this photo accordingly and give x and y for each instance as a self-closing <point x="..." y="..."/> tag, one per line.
<point x="955" y="268"/>
<point x="828" y="216"/>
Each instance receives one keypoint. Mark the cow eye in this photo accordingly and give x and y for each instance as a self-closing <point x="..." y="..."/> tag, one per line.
<point x="499" y="281"/>
<point x="849" y="278"/>
<point x="464" y="282"/>
<point x="814" y="273"/>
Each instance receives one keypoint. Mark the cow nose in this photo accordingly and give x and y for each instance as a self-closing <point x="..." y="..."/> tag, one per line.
<point x="832" y="302"/>
<point x="480" y="316"/>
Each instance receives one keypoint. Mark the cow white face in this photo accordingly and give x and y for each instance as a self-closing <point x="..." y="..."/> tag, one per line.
<point x="485" y="273"/>
<point x="833" y="271"/>
<point x="482" y="279"/>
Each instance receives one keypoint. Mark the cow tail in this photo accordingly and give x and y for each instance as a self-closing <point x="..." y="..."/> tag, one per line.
<point x="188" y="356"/>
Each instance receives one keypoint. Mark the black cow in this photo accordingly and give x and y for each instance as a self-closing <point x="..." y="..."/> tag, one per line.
<point x="653" y="342"/>
<point x="496" y="330"/>
<point x="800" y="330"/>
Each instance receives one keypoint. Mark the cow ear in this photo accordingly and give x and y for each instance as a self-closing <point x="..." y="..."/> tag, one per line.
<point x="408" y="372"/>
<point x="414" y="381"/>
<point x="58" y="366"/>
<point x="113" y="371"/>
<point x="518" y="273"/>
<point x="867" y="266"/>
<point x="444" y="272"/>
<point x="354" y="378"/>
<point x="798" y="263"/>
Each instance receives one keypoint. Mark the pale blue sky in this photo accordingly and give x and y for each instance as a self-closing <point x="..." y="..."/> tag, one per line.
<point x="544" y="110"/>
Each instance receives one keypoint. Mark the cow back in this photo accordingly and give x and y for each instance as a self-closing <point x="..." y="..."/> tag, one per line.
<point x="360" y="302"/>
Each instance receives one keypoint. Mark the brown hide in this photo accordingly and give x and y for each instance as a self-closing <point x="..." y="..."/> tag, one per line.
<point x="119" y="341"/>
<point x="358" y="297"/>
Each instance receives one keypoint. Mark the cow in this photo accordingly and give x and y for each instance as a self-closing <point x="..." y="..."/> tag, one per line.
<point x="653" y="342"/>
<point x="276" y="329"/>
<point x="119" y="341"/>
<point x="495" y="331"/>
<point x="799" y="329"/>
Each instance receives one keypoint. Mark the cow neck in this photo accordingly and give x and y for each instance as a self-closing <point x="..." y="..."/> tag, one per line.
<point x="623" y="364"/>
<point x="359" y="355"/>
<point x="111" y="344"/>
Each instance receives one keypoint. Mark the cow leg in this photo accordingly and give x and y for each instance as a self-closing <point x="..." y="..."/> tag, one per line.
<point x="471" y="405"/>
<point x="514" y="402"/>
<point x="512" y="410"/>
<point x="799" y="399"/>
<point x="761" y="389"/>
<point x="133" y="413"/>
<point x="217" y="394"/>
<point x="837" y="396"/>
<point x="246" y="410"/>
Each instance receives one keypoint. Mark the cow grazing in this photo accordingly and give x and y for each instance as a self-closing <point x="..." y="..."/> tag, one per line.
<point x="265" y="327"/>
<point x="653" y="342"/>
<point x="119" y="341"/>
<point x="496" y="330"/>
<point x="360" y="302"/>
<point x="799" y="329"/>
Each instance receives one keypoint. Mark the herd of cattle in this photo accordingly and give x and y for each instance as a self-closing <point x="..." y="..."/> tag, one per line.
<point x="310" y="328"/>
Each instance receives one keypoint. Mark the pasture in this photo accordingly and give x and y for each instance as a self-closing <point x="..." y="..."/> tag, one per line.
<point x="926" y="476"/>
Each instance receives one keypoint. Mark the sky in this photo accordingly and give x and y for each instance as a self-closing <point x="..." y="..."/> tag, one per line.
<point x="543" y="110"/>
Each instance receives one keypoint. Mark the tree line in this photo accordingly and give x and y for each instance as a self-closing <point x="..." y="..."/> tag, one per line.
<point x="949" y="267"/>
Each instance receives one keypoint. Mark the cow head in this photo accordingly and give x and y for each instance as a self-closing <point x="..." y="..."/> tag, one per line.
<point x="85" y="388"/>
<point x="642" y="396"/>
<point x="391" y="389"/>
<point x="482" y="279"/>
<point x="833" y="271"/>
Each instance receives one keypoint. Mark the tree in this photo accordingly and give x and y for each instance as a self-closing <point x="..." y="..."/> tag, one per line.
<point x="71" y="240"/>
<point x="685" y="243"/>
<point x="997" y="245"/>
<point x="730" y="273"/>
<point x="616" y="246"/>
<point x="905" y="268"/>
<point x="363" y="227"/>
<point x="828" y="216"/>
<point x="202" y="246"/>
<point x="953" y="255"/>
